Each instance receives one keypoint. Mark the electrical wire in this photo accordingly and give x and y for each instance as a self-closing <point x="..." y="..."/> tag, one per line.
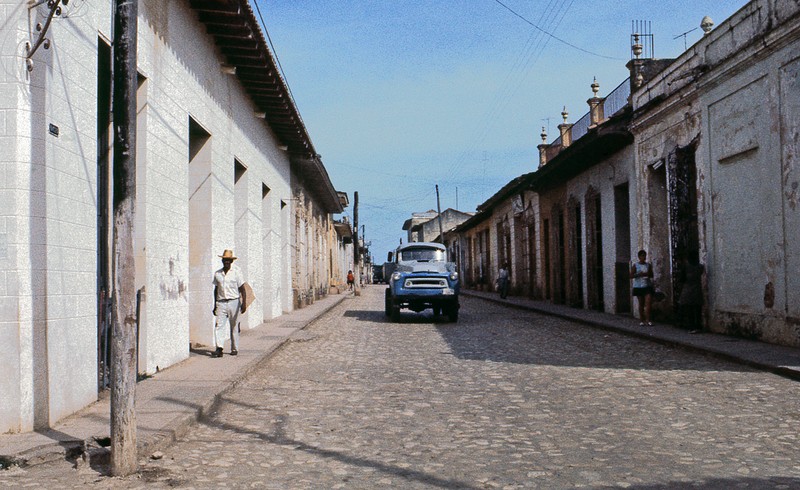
<point x="533" y="49"/>
<point x="274" y="53"/>
<point x="556" y="37"/>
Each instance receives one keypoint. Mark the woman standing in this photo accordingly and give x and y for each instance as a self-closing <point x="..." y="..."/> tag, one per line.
<point x="642" y="275"/>
<point x="503" y="280"/>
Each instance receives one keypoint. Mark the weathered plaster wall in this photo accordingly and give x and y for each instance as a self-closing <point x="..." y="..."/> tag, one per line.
<point x="602" y="178"/>
<point x="751" y="151"/>
<point x="735" y="90"/>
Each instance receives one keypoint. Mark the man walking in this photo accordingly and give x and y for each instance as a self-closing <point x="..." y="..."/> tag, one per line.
<point x="230" y="298"/>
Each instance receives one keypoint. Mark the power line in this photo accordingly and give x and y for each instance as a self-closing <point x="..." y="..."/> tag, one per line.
<point x="274" y="53"/>
<point x="554" y="36"/>
<point x="534" y="47"/>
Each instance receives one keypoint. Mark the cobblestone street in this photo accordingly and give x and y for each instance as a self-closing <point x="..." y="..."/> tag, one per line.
<point x="502" y="399"/>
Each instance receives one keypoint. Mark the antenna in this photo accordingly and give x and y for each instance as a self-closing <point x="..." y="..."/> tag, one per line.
<point x="642" y="39"/>
<point x="548" y="124"/>
<point x="685" y="47"/>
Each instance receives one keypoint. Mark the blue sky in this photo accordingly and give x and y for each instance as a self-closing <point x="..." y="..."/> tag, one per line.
<point x="399" y="96"/>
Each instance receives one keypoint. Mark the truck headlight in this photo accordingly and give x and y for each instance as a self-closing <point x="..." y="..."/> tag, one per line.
<point x="454" y="276"/>
<point x="396" y="276"/>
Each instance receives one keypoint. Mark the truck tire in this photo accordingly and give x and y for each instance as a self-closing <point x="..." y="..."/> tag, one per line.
<point x="387" y="308"/>
<point x="395" y="313"/>
<point x="452" y="313"/>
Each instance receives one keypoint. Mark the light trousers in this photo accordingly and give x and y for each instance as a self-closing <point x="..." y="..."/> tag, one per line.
<point x="227" y="316"/>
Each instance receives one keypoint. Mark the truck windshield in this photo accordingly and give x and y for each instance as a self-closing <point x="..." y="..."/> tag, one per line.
<point x="422" y="255"/>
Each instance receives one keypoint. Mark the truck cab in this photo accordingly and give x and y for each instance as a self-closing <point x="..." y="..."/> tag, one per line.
<point x="420" y="277"/>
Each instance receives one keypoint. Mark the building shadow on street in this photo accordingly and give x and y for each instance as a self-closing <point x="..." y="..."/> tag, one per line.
<point x="717" y="484"/>
<point x="278" y="437"/>
<point x="487" y="332"/>
<point x="406" y="317"/>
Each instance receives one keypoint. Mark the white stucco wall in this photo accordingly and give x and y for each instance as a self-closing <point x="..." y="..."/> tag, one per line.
<point x="48" y="321"/>
<point x="185" y="80"/>
<point x="49" y="201"/>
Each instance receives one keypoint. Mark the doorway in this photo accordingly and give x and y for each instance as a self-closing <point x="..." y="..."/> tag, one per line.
<point x="594" y="251"/>
<point x="200" y="257"/>
<point x="622" y="239"/>
<point x="683" y="225"/>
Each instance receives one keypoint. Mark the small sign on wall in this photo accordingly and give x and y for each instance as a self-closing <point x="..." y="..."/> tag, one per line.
<point x="53" y="129"/>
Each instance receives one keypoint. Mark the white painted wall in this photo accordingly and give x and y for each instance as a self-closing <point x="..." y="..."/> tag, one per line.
<point x="48" y="201"/>
<point x="48" y="316"/>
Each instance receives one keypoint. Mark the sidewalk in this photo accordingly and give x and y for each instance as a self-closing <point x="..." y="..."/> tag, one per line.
<point x="167" y="404"/>
<point x="777" y="359"/>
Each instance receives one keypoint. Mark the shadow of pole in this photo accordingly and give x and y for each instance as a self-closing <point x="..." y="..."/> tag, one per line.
<point x="278" y="437"/>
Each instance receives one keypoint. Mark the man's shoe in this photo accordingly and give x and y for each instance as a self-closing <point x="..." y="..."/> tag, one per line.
<point x="217" y="353"/>
<point x="234" y="352"/>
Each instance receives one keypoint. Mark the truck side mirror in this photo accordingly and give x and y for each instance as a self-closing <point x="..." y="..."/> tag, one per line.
<point x="389" y="257"/>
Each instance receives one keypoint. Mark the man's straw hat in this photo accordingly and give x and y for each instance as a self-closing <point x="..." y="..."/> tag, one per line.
<point x="228" y="254"/>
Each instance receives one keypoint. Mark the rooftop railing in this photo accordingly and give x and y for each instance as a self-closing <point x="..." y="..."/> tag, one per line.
<point x="617" y="99"/>
<point x="614" y="102"/>
<point x="581" y="126"/>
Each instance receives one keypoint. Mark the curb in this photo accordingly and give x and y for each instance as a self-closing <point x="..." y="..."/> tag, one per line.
<point x="89" y="451"/>
<point x="173" y="431"/>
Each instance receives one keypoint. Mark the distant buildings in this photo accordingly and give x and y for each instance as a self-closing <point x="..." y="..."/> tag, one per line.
<point x="427" y="227"/>
<point x="696" y="155"/>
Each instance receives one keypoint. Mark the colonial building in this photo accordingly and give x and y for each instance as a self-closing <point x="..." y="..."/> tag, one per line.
<point x="223" y="162"/>
<point x="314" y="239"/>
<point x="692" y="156"/>
<point x="549" y="225"/>
<point x="717" y="139"/>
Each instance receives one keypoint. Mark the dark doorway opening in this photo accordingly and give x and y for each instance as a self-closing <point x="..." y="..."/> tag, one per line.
<point x="548" y="288"/>
<point x="594" y="251"/>
<point x="622" y="222"/>
<point x="682" y="187"/>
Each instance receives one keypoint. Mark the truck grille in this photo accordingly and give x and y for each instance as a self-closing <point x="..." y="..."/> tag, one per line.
<point x="425" y="283"/>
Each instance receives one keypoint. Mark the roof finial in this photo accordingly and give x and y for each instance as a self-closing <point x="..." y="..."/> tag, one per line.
<point x="707" y="24"/>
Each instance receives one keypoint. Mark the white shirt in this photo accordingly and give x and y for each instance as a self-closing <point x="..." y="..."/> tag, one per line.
<point x="228" y="284"/>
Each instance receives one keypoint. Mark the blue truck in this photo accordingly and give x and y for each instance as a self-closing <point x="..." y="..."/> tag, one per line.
<point x="419" y="278"/>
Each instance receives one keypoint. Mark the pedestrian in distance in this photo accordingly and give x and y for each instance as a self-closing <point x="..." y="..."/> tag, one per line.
<point x="503" y="280"/>
<point x="690" y="300"/>
<point x="351" y="280"/>
<point x="230" y="298"/>
<point x="642" y="275"/>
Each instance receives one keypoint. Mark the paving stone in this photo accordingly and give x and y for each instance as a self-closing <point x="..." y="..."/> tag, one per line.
<point x="502" y="399"/>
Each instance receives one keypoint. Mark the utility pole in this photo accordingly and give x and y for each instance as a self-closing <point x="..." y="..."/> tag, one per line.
<point x="356" y="251"/>
<point x="124" y="459"/>
<point x="366" y="255"/>
<point x="439" y="211"/>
